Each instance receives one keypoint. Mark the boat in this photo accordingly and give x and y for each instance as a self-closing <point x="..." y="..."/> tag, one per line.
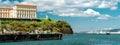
<point x="107" y="33"/>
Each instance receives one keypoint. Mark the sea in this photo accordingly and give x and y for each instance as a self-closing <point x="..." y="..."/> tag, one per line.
<point x="74" y="39"/>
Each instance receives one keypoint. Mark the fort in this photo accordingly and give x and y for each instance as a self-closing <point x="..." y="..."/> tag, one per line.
<point x="19" y="23"/>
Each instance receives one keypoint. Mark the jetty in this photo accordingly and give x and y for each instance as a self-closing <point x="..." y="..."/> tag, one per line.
<point x="28" y="37"/>
<point x="8" y="36"/>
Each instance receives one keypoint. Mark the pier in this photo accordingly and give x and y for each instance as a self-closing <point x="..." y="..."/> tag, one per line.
<point x="25" y="37"/>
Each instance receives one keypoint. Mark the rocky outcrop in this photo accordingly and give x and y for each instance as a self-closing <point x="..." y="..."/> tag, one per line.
<point x="70" y="31"/>
<point x="49" y="25"/>
<point x="64" y="27"/>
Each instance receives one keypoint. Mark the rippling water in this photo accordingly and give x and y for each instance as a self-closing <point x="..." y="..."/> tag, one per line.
<point x="75" y="39"/>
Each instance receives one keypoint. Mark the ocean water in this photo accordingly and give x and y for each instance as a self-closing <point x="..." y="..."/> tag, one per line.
<point x="75" y="39"/>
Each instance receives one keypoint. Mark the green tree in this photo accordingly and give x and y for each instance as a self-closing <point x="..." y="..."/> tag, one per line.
<point x="64" y="27"/>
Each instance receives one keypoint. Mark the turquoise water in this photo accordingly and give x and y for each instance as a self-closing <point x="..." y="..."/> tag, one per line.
<point x="75" y="39"/>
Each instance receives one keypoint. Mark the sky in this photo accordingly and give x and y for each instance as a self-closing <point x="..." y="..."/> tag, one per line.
<point x="82" y="15"/>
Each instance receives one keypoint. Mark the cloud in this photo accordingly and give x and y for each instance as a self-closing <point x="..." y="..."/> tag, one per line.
<point x="73" y="8"/>
<point x="76" y="13"/>
<point x="114" y="8"/>
<point x="91" y="12"/>
<point x="108" y="4"/>
<point x="44" y="5"/>
<point x="107" y="28"/>
<point x="81" y="13"/>
<point x="104" y="17"/>
<point x="7" y="3"/>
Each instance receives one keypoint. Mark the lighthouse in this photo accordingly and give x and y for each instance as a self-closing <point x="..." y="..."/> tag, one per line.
<point x="47" y="17"/>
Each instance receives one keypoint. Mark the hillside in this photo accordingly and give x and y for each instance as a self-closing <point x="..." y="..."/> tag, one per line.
<point x="45" y="25"/>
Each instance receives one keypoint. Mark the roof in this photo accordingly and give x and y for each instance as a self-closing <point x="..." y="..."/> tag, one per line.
<point x="25" y="5"/>
<point x="28" y="19"/>
<point x="6" y="8"/>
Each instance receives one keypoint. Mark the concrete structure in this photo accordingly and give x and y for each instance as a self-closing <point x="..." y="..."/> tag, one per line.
<point x="5" y="12"/>
<point x="19" y="11"/>
<point x="103" y="32"/>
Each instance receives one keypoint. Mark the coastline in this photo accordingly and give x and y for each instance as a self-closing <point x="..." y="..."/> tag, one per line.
<point x="28" y="37"/>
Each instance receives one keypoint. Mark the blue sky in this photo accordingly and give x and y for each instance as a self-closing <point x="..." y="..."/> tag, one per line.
<point x="82" y="15"/>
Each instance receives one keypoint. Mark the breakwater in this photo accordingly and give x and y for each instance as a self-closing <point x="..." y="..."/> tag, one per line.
<point x="24" y="37"/>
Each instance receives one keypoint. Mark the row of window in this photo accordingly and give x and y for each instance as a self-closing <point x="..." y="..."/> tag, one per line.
<point x="4" y="16"/>
<point x="26" y="16"/>
<point x="31" y="12"/>
<point x="4" y="10"/>
<point x="27" y="8"/>
<point x="4" y="13"/>
<point x="26" y="13"/>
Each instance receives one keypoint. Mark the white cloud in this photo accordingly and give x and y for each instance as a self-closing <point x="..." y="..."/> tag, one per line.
<point x="91" y="12"/>
<point x="16" y="2"/>
<point x="108" y="4"/>
<point x="104" y="4"/>
<point x="81" y="13"/>
<point x="76" y="13"/>
<point x="73" y="8"/>
<point x="114" y="8"/>
<point x="44" y="5"/>
<point x="107" y="28"/>
<point x="7" y="3"/>
<point x="104" y="17"/>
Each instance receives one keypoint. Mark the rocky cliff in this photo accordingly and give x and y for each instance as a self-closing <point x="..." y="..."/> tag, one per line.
<point x="49" y="25"/>
<point x="64" y="27"/>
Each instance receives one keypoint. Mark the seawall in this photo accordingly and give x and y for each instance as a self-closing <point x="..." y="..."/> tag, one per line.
<point x="12" y="37"/>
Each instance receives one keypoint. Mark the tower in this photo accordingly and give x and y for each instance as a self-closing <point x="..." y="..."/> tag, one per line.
<point x="47" y="17"/>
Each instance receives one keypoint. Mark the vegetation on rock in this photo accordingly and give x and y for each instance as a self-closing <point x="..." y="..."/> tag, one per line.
<point x="45" y="24"/>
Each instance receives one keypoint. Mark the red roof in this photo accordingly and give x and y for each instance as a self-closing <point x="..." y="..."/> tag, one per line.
<point x="25" y="5"/>
<point x="6" y="8"/>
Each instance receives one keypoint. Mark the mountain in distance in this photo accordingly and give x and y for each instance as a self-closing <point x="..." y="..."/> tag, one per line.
<point x="114" y="30"/>
<point x="111" y="31"/>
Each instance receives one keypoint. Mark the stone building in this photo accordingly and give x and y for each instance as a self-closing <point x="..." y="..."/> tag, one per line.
<point x="5" y="12"/>
<point x="24" y="11"/>
<point x="19" y="11"/>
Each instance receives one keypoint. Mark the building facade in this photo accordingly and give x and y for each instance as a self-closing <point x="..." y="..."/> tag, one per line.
<point x="5" y="12"/>
<point x="24" y="11"/>
<point x="19" y="11"/>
